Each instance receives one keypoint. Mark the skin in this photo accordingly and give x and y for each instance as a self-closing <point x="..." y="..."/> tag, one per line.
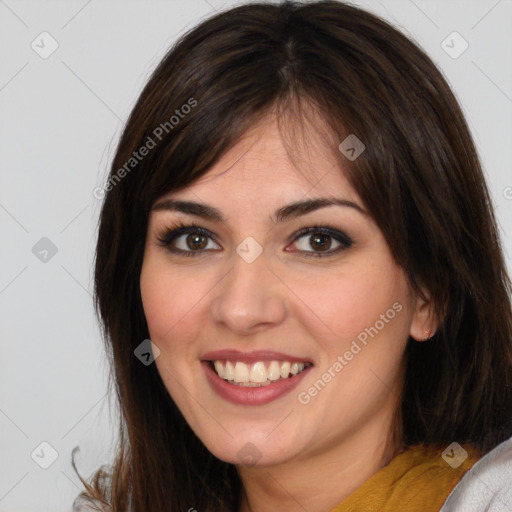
<point x="314" y="455"/>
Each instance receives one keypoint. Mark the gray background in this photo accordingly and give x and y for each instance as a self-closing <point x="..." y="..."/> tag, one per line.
<point x="60" y="120"/>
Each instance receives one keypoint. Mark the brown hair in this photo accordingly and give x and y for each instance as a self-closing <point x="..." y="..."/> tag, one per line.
<point x="419" y="177"/>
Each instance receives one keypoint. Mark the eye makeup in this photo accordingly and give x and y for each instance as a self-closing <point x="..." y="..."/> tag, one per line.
<point x="167" y="238"/>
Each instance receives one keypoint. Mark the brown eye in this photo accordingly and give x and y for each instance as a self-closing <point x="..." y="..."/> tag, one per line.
<point x="321" y="242"/>
<point x="188" y="240"/>
<point x="318" y="241"/>
<point x="196" y="241"/>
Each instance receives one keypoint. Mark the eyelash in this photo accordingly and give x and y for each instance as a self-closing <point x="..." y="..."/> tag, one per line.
<point x="169" y="234"/>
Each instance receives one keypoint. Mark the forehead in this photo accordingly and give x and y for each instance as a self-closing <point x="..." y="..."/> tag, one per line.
<point x="263" y="167"/>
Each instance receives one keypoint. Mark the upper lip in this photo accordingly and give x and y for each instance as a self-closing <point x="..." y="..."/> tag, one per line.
<point x="252" y="357"/>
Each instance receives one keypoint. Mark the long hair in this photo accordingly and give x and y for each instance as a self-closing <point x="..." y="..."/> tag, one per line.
<point x="419" y="177"/>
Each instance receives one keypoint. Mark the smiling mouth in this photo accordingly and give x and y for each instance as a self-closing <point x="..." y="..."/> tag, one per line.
<point x="259" y="374"/>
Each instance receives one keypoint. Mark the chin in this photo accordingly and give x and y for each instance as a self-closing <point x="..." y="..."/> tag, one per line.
<point x="257" y="450"/>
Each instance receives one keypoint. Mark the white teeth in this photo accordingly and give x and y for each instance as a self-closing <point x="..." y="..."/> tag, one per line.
<point x="285" y="369"/>
<point x="296" y="368"/>
<point x="229" y="372"/>
<point x="274" y="371"/>
<point x="257" y="374"/>
<point x="219" y="369"/>
<point x="241" y="372"/>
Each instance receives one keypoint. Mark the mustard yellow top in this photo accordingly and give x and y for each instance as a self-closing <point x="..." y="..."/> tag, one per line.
<point x="416" y="480"/>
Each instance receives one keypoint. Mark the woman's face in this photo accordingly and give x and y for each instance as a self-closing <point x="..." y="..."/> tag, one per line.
<point x="252" y="295"/>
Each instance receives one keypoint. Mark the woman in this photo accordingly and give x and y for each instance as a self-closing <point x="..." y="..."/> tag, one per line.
<point x="299" y="275"/>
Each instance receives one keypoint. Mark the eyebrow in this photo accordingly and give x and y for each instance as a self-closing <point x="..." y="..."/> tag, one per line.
<point x="283" y="214"/>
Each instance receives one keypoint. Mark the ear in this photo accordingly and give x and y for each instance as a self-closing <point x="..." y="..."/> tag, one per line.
<point x="424" y="323"/>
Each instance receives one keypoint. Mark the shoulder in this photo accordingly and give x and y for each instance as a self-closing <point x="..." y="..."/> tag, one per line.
<point x="487" y="486"/>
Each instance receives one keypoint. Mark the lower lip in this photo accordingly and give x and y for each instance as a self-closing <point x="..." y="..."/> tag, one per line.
<point x="252" y="395"/>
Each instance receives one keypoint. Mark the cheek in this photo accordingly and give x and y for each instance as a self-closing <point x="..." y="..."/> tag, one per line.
<point x="167" y="299"/>
<point x="351" y="302"/>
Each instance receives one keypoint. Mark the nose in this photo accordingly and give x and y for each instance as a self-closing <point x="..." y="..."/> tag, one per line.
<point x="249" y="298"/>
